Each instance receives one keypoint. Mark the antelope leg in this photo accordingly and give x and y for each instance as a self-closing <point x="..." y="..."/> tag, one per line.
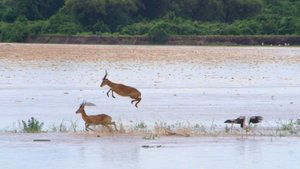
<point x="108" y="92"/>
<point x="91" y="129"/>
<point x="87" y="127"/>
<point x="112" y="94"/>
<point x="114" y="124"/>
<point x="138" y="100"/>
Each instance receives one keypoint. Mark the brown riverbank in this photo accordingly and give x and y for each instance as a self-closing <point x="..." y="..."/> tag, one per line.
<point x="173" y="40"/>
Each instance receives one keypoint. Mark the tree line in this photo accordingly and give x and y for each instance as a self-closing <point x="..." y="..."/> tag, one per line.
<point x="20" y="18"/>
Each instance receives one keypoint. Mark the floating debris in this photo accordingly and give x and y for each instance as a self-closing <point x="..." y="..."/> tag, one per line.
<point x="148" y="146"/>
<point x="37" y="140"/>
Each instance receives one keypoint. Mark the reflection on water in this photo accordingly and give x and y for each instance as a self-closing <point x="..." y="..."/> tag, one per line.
<point x="126" y="153"/>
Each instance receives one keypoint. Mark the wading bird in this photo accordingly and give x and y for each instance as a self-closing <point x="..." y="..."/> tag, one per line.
<point x="122" y="90"/>
<point x="100" y="119"/>
<point x="244" y="122"/>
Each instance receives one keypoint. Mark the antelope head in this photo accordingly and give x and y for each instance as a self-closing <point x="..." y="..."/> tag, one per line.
<point x="81" y="108"/>
<point x="104" y="80"/>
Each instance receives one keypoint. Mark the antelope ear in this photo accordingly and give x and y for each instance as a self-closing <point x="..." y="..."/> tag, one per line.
<point x="90" y="104"/>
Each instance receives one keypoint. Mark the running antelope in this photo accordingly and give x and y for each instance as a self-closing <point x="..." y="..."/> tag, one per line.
<point x="100" y="119"/>
<point x="122" y="90"/>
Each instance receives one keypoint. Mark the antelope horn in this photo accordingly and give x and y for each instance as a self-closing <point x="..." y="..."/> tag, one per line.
<point x="105" y="75"/>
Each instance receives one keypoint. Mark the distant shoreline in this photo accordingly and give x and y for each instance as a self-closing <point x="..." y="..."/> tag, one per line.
<point x="217" y="40"/>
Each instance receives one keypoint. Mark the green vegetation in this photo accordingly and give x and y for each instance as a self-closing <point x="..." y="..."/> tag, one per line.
<point x="158" y="33"/>
<point x="156" y="19"/>
<point x="63" y="127"/>
<point x="292" y="126"/>
<point x="150" y="131"/>
<point x="32" y="126"/>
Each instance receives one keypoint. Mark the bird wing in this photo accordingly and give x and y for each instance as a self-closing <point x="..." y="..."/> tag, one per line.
<point x="230" y="121"/>
<point x="240" y="120"/>
<point x="255" y="119"/>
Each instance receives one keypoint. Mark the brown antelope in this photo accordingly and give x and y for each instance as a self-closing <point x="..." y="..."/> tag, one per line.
<point x="122" y="90"/>
<point x="100" y="119"/>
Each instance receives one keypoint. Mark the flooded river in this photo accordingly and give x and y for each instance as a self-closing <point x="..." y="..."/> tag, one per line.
<point x="182" y="83"/>
<point x="128" y="153"/>
<point x="187" y="84"/>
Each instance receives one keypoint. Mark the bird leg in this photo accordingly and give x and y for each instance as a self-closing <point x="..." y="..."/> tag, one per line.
<point x="247" y="130"/>
<point x="242" y="133"/>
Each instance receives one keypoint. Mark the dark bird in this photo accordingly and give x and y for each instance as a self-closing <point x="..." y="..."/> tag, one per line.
<point x="245" y="122"/>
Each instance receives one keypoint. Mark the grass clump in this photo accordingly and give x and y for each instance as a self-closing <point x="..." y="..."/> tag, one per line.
<point x="32" y="126"/>
<point x="140" y="126"/>
<point x="291" y="126"/>
<point x="62" y="127"/>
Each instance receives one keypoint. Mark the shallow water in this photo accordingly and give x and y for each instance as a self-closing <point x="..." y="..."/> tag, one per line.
<point x="53" y="96"/>
<point x="185" y="88"/>
<point x="178" y="84"/>
<point x="19" y="151"/>
<point x="198" y="105"/>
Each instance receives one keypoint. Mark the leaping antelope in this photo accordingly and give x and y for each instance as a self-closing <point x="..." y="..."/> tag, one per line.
<point x="245" y="122"/>
<point x="100" y="119"/>
<point x="122" y="90"/>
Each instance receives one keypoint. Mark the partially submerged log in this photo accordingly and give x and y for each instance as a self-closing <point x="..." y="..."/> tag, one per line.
<point x="42" y="140"/>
